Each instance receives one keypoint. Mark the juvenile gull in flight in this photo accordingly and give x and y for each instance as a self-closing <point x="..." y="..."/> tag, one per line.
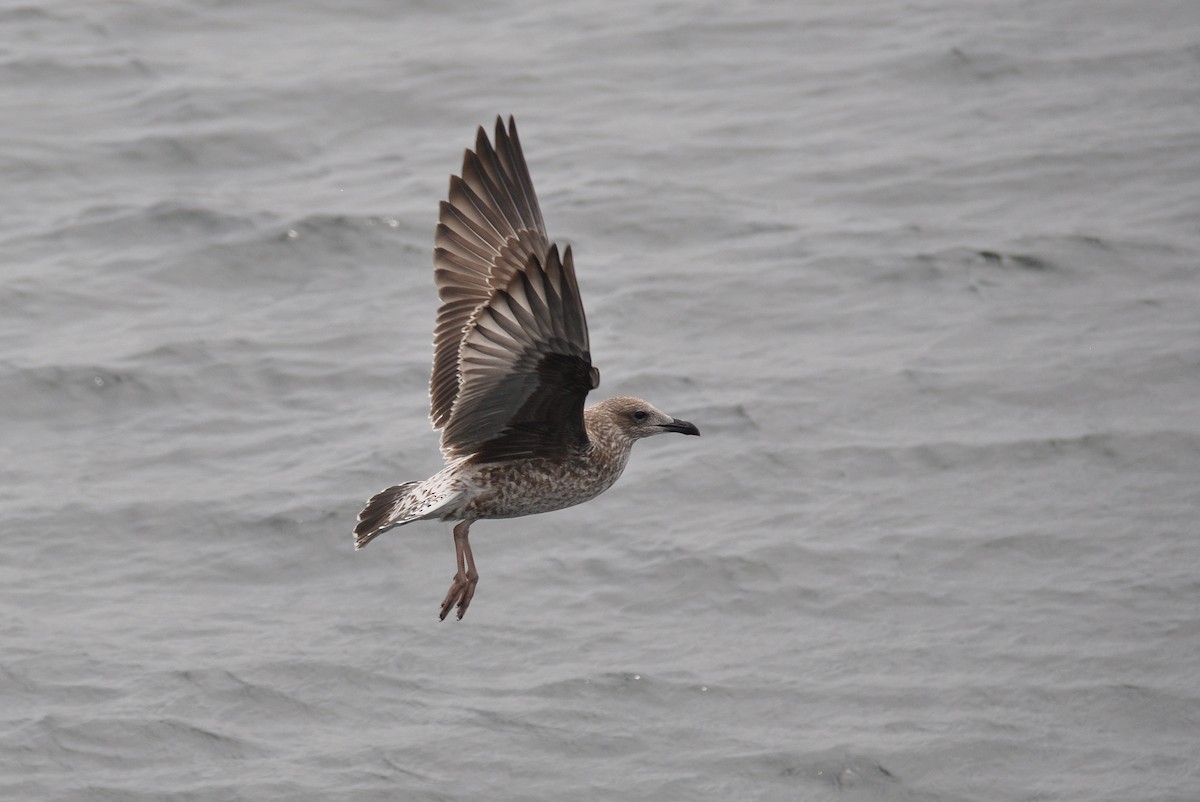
<point x="511" y="369"/>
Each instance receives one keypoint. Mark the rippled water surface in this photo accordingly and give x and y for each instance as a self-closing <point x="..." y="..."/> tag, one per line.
<point x="926" y="275"/>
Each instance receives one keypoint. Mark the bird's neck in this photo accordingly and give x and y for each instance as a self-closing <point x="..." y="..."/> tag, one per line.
<point x="604" y="437"/>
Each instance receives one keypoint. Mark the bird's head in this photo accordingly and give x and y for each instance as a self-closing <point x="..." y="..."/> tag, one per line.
<point x="631" y="419"/>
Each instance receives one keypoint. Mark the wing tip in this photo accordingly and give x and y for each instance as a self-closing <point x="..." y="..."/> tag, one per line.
<point x="502" y="133"/>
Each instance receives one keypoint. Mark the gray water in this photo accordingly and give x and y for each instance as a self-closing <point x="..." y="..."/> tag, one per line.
<point x="926" y="275"/>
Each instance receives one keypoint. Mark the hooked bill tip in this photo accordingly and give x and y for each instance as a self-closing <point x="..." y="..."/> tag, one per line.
<point x="682" y="427"/>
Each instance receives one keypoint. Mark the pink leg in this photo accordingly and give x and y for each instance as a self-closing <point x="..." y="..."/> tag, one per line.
<point x="462" y="588"/>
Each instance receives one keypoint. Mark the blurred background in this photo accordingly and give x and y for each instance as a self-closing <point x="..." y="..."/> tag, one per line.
<point x="925" y="274"/>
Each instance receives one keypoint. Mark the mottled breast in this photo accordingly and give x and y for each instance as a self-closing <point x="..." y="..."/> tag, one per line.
<point x="526" y="487"/>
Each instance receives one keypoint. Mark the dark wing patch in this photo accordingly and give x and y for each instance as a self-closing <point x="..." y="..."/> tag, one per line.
<point x="525" y="368"/>
<point x="487" y="230"/>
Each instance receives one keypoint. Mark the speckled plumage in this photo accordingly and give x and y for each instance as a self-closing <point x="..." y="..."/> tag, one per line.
<point x="512" y="367"/>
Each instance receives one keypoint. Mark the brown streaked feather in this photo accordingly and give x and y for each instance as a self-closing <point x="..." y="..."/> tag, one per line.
<point x="375" y="517"/>
<point x="525" y="368"/>
<point x="487" y="231"/>
<point x="511" y="162"/>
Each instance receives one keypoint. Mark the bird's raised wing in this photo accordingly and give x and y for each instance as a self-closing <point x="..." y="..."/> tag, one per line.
<point x="511" y="363"/>
<point x="524" y="368"/>
<point x="488" y="230"/>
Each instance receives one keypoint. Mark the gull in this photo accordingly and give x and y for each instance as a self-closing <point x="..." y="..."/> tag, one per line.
<point x="511" y="370"/>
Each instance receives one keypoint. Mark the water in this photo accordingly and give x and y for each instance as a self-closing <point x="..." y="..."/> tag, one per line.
<point x="925" y="275"/>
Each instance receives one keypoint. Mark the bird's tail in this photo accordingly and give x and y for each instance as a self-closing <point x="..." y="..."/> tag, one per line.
<point x="386" y="509"/>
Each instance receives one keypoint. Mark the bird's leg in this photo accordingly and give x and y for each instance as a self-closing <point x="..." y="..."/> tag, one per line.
<point x="472" y="576"/>
<point x="459" y="579"/>
<point x="462" y="588"/>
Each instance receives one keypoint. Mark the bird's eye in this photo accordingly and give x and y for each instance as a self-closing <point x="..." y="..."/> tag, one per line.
<point x="639" y="415"/>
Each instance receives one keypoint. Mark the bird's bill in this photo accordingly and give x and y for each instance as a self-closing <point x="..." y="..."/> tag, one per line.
<point x="681" y="426"/>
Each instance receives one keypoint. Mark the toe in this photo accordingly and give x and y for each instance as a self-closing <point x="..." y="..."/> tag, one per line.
<point x="453" y="595"/>
<point x="468" y="593"/>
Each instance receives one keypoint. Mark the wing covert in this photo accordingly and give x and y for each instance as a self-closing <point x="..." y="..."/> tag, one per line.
<point x="525" y="368"/>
